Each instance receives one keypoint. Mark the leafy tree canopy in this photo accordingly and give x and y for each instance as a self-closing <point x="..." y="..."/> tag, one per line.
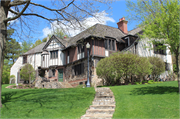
<point x="160" y="21"/>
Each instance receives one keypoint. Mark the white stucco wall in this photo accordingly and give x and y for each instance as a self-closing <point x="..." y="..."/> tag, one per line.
<point x="50" y="62"/>
<point x="145" y="49"/>
<point x="34" y="60"/>
<point x="16" y="66"/>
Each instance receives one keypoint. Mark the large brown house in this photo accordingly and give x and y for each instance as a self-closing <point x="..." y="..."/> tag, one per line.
<point x="65" y="60"/>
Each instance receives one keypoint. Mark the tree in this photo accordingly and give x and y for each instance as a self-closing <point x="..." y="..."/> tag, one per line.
<point x="38" y="42"/>
<point x="26" y="46"/>
<point x="59" y="33"/>
<point x="27" y="73"/>
<point x="6" y="72"/>
<point x="160" y="21"/>
<point x="63" y="12"/>
<point x="158" y="66"/>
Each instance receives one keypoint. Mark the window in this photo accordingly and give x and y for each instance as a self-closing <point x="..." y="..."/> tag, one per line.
<point x="43" y="58"/>
<point x="24" y="59"/>
<point x="78" y="69"/>
<point x="113" y="46"/>
<point x="109" y="44"/>
<point x="105" y="44"/>
<point x="54" y="54"/>
<point x="80" y="53"/>
<point x="53" y="72"/>
<point x="167" y="66"/>
<point x="68" y="57"/>
<point x="159" y="48"/>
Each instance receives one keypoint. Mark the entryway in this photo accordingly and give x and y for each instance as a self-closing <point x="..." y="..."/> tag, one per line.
<point x="60" y="75"/>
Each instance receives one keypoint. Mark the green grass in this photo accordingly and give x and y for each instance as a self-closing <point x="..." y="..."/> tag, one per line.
<point x="160" y="100"/>
<point x="46" y="103"/>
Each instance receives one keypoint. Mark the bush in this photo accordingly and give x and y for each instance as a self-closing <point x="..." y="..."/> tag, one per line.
<point x="27" y="72"/>
<point x="122" y="66"/>
<point x="137" y="83"/>
<point x="144" y="81"/>
<point x="158" y="66"/>
<point x="150" y="81"/>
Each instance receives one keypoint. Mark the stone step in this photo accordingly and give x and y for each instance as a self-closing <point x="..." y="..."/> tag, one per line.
<point x="102" y="107"/>
<point x="104" y="99"/>
<point x="104" y="96"/>
<point x="103" y="103"/>
<point x="97" y="116"/>
<point x="100" y="111"/>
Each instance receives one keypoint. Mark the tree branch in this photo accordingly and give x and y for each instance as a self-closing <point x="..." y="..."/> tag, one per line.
<point x="33" y="14"/>
<point x="15" y="3"/>
<point x="19" y="14"/>
<point x="52" y="9"/>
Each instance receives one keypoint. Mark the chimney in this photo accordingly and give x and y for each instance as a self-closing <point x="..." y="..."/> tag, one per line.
<point x="47" y="39"/>
<point x="122" y="24"/>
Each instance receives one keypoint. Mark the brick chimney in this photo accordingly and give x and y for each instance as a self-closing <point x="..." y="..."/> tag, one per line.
<point x="122" y="24"/>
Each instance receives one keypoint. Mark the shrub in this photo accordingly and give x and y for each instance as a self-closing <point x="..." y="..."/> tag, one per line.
<point x="14" y="86"/>
<point x="158" y="66"/>
<point x="145" y="83"/>
<point x="27" y="72"/>
<point x="122" y="66"/>
<point x="137" y="83"/>
<point x="150" y="81"/>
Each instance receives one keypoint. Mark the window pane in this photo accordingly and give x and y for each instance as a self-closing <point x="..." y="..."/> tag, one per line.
<point x="105" y="44"/>
<point x="110" y="45"/>
<point x="113" y="46"/>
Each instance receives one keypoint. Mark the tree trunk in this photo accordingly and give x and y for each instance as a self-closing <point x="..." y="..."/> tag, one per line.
<point x="177" y="65"/>
<point x="29" y="80"/>
<point x="3" y="36"/>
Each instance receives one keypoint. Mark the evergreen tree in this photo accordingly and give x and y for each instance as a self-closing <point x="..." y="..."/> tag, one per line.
<point x="26" y="46"/>
<point x="38" y="42"/>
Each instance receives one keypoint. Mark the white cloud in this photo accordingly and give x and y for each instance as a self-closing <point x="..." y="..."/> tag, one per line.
<point x="11" y="15"/>
<point x="101" y="18"/>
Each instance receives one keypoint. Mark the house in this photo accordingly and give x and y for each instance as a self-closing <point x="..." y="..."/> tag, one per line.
<point x="65" y="60"/>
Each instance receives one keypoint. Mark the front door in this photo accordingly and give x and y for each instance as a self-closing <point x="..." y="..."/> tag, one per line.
<point x="60" y="75"/>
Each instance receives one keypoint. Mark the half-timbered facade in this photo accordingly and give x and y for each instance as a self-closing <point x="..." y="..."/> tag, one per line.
<point x="65" y="60"/>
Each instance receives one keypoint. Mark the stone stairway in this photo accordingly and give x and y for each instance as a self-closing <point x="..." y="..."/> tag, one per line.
<point x="103" y="105"/>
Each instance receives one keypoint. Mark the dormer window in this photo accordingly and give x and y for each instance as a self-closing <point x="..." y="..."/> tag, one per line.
<point x="109" y="44"/>
<point x="54" y="54"/>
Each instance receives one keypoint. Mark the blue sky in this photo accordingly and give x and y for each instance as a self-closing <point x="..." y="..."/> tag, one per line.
<point x="110" y="18"/>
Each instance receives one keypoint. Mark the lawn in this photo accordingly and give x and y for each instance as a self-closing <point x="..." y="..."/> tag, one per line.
<point x="147" y="101"/>
<point x="46" y="103"/>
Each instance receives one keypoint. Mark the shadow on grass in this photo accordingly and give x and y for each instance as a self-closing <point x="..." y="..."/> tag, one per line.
<point x="155" y="90"/>
<point x="45" y="99"/>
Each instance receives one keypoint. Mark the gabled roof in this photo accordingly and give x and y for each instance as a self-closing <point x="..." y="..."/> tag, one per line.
<point x="98" y="30"/>
<point x="37" y="49"/>
<point x="63" y="42"/>
<point x="135" y="31"/>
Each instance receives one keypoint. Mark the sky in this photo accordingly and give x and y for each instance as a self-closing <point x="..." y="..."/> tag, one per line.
<point x="109" y="18"/>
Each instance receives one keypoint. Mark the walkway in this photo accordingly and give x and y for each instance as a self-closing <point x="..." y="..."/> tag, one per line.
<point x="103" y="105"/>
